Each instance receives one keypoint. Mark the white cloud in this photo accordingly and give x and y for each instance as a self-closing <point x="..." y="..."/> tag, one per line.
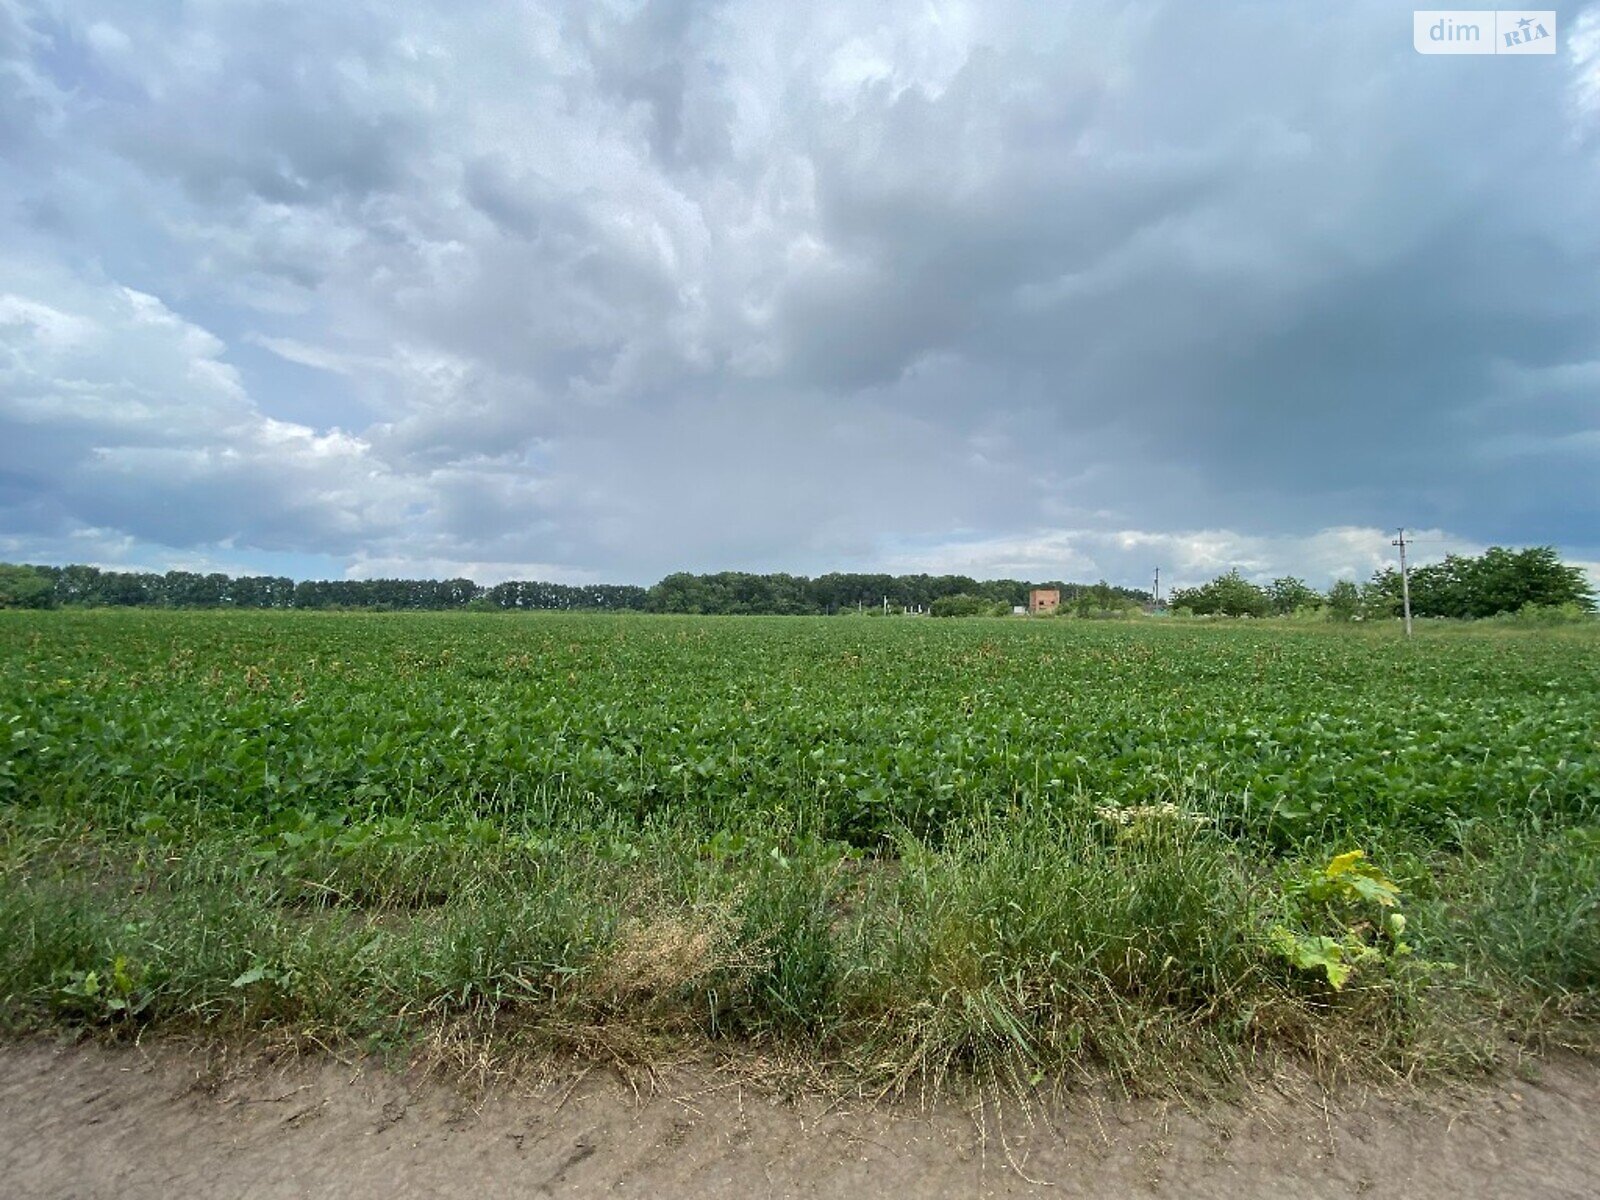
<point x="50" y="329"/>
<point x="1185" y="558"/>
<point x="306" y="355"/>
<point x="484" y="573"/>
<point x="137" y="420"/>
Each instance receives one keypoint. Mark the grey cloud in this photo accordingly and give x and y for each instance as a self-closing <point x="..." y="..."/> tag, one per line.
<point x="273" y="101"/>
<point x="654" y="58"/>
<point x="691" y="285"/>
<point x="519" y="206"/>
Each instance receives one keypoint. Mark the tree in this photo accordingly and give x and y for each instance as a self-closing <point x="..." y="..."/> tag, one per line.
<point x="1230" y="595"/>
<point x="23" y="587"/>
<point x="1502" y="580"/>
<point x="1289" y="594"/>
<point x="1497" y="581"/>
<point x="1344" y="600"/>
<point x="1442" y="589"/>
<point x="732" y="592"/>
<point x="1381" y="595"/>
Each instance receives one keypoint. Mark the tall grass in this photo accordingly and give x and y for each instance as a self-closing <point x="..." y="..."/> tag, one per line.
<point x="1024" y="946"/>
<point x="1519" y="912"/>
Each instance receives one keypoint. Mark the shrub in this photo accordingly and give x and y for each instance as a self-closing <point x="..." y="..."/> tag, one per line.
<point x="960" y="605"/>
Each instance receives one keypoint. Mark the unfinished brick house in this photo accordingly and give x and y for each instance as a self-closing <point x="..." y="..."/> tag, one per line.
<point x="1043" y="600"/>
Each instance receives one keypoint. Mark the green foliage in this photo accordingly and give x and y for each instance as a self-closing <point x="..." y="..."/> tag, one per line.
<point x="1101" y="601"/>
<point x="1033" y="939"/>
<point x="94" y="996"/>
<point x="1344" y="600"/>
<point x="23" y="587"/>
<point x="1289" y="595"/>
<point x="725" y="593"/>
<point x="1497" y="582"/>
<point x="867" y="729"/>
<point x="960" y="605"/>
<point x="923" y="847"/>
<point x="1346" y="896"/>
<point x="1545" y="616"/>
<point x="1229" y="595"/>
<point x="1522" y="907"/>
<point x="1381" y="596"/>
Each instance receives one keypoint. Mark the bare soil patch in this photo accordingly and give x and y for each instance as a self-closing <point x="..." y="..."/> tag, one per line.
<point x="159" y="1121"/>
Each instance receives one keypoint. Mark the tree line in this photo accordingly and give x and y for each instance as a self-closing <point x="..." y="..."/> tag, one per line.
<point x="1463" y="587"/>
<point x="721" y="593"/>
<point x="1495" y="582"/>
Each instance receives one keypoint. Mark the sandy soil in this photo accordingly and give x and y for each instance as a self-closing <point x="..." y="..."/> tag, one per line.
<point x="129" y="1123"/>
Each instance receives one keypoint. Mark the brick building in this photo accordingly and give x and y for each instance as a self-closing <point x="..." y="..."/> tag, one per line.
<point x="1043" y="600"/>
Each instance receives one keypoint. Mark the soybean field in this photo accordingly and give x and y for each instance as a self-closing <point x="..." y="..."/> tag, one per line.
<point x="914" y="849"/>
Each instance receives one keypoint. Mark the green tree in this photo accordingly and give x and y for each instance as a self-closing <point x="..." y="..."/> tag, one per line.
<point x="23" y="587"/>
<point x="1497" y="581"/>
<point x="1381" y="595"/>
<point x="1502" y="580"/>
<point x="1344" y="600"/>
<point x="1230" y="595"/>
<point x="1289" y="594"/>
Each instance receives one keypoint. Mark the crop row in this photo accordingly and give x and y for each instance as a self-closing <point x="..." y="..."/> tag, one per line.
<point x="856" y="727"/>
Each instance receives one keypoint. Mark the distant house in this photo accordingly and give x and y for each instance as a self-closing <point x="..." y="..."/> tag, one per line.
<point x="1043" y="600"/>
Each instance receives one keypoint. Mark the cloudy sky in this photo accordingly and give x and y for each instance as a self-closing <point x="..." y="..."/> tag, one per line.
<point x="600" y="291"/>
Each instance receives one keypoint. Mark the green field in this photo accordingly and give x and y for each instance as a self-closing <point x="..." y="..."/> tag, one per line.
<point x="913" y="849"/>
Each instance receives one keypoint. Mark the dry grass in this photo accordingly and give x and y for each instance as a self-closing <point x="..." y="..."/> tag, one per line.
<point x="1025" y="953"/>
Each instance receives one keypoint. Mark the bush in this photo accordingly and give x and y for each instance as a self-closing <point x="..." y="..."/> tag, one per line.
<point x="962" y="604"/>
<point x="1544" y="615"/>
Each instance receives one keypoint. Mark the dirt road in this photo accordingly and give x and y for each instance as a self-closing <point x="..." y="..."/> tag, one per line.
<point x="130" y="1123"/>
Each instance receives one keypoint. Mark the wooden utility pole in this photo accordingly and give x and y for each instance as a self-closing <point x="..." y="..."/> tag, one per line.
<point x="1405" y="579"/>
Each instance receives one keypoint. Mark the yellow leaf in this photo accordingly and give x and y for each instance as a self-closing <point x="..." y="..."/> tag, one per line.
<point x="1343" y="864"/>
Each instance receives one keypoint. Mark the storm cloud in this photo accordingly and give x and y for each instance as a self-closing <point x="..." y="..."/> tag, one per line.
<point x="600" y="291"/>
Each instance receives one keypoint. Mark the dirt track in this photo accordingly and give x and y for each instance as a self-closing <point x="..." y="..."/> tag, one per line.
<point x="132" y="1123"/>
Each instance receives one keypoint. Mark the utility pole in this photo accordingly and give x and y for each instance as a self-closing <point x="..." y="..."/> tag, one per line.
<point x="1405" y="579"/>
<point x="1155" y="590"/>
